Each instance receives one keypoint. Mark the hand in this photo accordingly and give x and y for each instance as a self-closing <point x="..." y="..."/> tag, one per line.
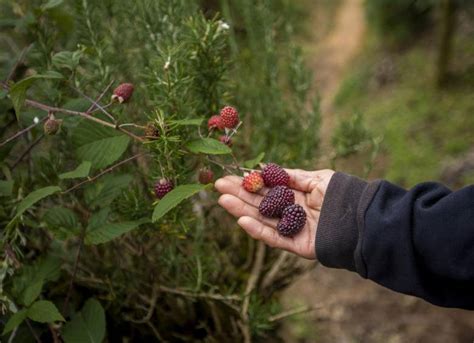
<point x="309" y="187"/>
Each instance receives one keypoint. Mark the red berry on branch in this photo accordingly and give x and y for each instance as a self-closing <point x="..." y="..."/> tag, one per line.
<point x="275" y="201"/>
<point x="215" y="122"/>
<point x="293" y="221"/>
<point x="205" y="176"/>
<point x="226" y="140"/>
<point x="274" y="175"/>
<point x="123" y="92"/>
<point x="230" y="117"/>
<point x="253" y="182"/>
<point x="163" y="187"/>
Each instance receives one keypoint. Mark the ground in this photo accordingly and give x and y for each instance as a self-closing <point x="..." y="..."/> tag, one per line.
<point x="349" y="308"/>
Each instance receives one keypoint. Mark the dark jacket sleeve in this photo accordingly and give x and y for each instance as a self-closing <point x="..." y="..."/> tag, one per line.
<point x="418" y="241"/>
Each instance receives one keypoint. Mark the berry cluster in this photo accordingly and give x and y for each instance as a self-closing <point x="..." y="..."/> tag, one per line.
<point x="227" y="121"/>
<point x="279" y="202"/>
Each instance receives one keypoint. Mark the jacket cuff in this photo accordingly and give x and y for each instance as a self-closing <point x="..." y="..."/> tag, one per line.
<point x="341" y="220"/>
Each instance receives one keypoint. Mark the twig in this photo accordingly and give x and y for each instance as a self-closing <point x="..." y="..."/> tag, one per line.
<point x="132" y="124"/>
<point x="74" y="271"/>
<point x="156" y="332"/>
<point x="38" y="340"/>
<point x="200" y="294"/>
<point x="91" y="108"/>
<point x="21" y="132"/>
<point x="108" y="170"/>
<point x="292" y="312"/>
<point x="270" y="276"/>
<point x="94" y="103"/>
<point x="150" y="311"/>
<point x="27" y="151"/>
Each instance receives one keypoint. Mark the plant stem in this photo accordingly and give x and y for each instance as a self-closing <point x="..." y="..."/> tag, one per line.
<point x="21" y="132"/>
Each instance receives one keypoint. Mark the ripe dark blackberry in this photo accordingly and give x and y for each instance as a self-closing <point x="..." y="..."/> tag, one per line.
<point x="163" y="187"/>
<point x="275" y="201"/>
<point x="292" y="222"/>
<point x="274" y="175"/>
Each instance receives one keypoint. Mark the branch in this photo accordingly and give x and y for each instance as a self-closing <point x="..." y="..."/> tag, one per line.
<point x="27" y="151"/>
<point x="95" y="103"/>
<point x="108" y="170"/>
<point x="201" y="294"/>
<point x="270" y="276"/>
<point x="21" y="132"/>
<point x="292" y="312"/>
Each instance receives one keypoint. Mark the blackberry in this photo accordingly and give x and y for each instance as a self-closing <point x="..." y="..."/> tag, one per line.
<point x="275" y="201"/>
<point x="163" y="187"/>
<point x="274" y="175"/>
<point x="292" y="222"/>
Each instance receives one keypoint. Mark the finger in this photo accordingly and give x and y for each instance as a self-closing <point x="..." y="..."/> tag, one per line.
<point x="239" y="208"/>
<point x="264" y="233"/>
<point x="301" y="180"/>
<point x="232" y="185"/>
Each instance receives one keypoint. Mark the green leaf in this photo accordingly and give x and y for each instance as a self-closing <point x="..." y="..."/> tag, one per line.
<point x="32" y="292"/>
<point x="98" y="219"/>
<point x="6" y="188"/>
<point x="208" y="146"/>
<point x="62" y="222"/>
<point x="51" y="4"/>
<point x="67" y="59"/>
<point x="44" y="311"/>
<point x="31" y="199"/>
<point x="110" y="231"/>
<point x="100" y="145"/>
<point x="14" y="321"/>
<point x="184" y="122"/>
<point x="173" y="198"/>
<point x="18" y="90"/>
<point x="252" y="163"/>
<point x="110" y="188"/>
<point x="81" y="171"/>
<point x="87" y="326"/>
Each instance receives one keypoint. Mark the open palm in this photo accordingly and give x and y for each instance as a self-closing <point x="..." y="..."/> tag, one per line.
<point x="310" y="188"/>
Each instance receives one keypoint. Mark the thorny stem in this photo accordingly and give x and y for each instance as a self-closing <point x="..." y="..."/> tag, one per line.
<point x="108" y="170"/>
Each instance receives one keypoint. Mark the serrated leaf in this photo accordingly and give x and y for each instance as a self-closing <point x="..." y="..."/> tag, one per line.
<point x="62" y="222"/>
<point x="209" y="146"/>
<point x="111" y="231"/>
<point x="51" y="4"/>
<point x="87" y="326"/>
<point x="98" y="219"/>
<point x="31" y="199"/>
<point x="67" y="59"/>
<point x="184" y="122"/>
<point x="6" y="188"/>
<point x="174" y="198"/>
<point x="81" y="171"/>
<point x="15" y="320"/>
<point x="32" y="292"/>
<point x="254" y="162"/>
<point x="44" y="311"/>
<point x="18" y="90"/>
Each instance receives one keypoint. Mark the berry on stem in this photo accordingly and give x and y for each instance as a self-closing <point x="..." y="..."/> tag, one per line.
<point x="51" y="126"/>
<point x="292" y="222"/>
<point x="253" y="182"/>
<point x="123" y="92"/>
<point x="275" y="201"/>
<point x="226" y="140"/>
<point x="215" y="122"/>
<point x="163" y="187"/>
<point x="205" y="176"/>
<point x="274" y="175"/>
<point x="230" y="117"/>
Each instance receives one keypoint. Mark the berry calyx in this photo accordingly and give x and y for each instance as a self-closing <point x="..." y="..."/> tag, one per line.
<point x="253" y="182"/>
<point x="163" y="187"/>
<point x="123" y="92"/>
<point x="274" y="175"/>
<point x="151" y="131"/>
<point x="215" y="122"/>
<point x="226" y="140"/>
<point x="51" y="126"/>
<point x="205" y="176"/>
<point x="293" y="221"/>
<point x="275" y="201"/>
<point x="230" y="117"/>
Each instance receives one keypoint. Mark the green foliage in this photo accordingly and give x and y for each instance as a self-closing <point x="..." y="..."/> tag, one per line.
<point x="88" y="325"/>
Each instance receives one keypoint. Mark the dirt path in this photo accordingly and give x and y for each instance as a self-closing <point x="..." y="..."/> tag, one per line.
<point x="352" y="309"/>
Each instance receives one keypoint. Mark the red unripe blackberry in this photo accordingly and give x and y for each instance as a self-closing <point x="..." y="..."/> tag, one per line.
<point x="123" y="92"/>
<point x="151" y="131"/>
<point x="163" y="187"/>
<point x="230" y="117"/>
<point x="51" y="126"/>
<point x="226" y="140"/>
<point x="215" y="122"/>
<point x="275" y="201"/>
<point x="253" y="182"/>
<point x="274" y="175"/>
<point x="292" y="221"/>
<point x="205" y="176"/>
